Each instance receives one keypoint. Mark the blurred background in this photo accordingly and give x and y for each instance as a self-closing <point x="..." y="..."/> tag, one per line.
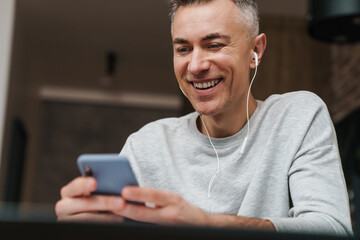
<point x="79" y="76"/>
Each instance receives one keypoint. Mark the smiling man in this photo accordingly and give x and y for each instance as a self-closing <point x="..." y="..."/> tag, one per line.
<point x="213" y="53"/>
<point x="236" y="162"/>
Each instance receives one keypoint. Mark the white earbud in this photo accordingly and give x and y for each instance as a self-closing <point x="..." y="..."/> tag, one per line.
<point x="256" y="59"/>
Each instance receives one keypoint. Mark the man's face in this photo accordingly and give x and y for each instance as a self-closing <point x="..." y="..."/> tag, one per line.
<point x="212" y="56"/>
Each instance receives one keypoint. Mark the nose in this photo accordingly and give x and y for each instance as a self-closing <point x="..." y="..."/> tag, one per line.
<point x="198" y="62"/>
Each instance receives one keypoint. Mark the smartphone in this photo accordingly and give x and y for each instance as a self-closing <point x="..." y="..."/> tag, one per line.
<point x="112" y="172"/>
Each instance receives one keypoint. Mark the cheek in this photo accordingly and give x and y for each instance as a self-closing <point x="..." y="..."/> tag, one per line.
<point x="235" y="64"/>
<point x="225" y="63"/>
<point x="236" y="69"/>
<point x="179" y="68"/>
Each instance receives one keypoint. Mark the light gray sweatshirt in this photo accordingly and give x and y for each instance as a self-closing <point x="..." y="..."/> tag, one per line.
<point x="290" y="171"/>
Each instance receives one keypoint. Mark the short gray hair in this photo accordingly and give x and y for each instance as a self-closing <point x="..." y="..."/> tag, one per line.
<point x="248" y="8"/>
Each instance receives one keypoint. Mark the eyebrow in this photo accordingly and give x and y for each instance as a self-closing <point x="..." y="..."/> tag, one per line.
<point x="208" y="37"/>
<point x="212" y="36"/>
<point x="180" y="41"/>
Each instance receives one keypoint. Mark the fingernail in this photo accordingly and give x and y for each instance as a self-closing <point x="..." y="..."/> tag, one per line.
<point x="126" y="192"/>
<point x="91" y="185"/>
<point x="150" y="205"/>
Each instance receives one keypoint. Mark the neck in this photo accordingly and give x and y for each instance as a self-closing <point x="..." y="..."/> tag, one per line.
<point x="227" y="123"/>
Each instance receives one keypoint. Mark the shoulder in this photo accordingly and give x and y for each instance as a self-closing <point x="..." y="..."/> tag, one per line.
<point x="299" y="104"/>
<point x="298" y="98"/>
<point x="149" y="141"/>
<point x="164" y="126"/>
<point x="168" y="123"/>
<point x="301" y="113"/>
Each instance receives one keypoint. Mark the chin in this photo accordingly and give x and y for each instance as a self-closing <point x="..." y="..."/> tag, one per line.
<point x="206" y="110"/>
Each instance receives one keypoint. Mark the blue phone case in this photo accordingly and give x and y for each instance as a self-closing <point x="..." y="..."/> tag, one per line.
<point x="112" y="172"/>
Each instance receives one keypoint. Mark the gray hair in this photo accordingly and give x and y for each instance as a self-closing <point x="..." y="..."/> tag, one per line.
<point x="248" y="9"/>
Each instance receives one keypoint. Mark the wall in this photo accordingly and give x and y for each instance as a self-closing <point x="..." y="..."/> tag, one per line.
<point x="17" y="99"/>
<point x="62" y="47"/>
<point x="6" y="25"/>
<point x="293" y="60"/>
<point x="289" y="8"/>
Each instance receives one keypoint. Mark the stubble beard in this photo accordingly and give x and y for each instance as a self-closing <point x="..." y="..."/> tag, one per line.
<point x="210" y="106"/>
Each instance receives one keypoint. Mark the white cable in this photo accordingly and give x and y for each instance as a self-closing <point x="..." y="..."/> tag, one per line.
<point x="242" y="147"/>
<point x="207" y="132"/>
<point x="247" y="101"/>
<point x="218" y="165"/>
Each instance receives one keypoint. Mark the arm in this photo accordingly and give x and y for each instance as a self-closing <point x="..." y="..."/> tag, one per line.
<point x="318" y="194"/>
<point x="315" y="178"/>
<point x="170" y="208"/>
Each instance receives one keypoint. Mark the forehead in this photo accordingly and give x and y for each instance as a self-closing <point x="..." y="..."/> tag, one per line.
<point x="204" y="18"/>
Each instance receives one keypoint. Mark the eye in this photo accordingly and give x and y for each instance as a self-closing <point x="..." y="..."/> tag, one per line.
<point x="215" y="46"/>
<point x="182" y="50"/>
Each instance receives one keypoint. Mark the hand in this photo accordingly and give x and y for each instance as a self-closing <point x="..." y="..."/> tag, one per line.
<point x="77" y="203"/>
<point x="169" y="207"/>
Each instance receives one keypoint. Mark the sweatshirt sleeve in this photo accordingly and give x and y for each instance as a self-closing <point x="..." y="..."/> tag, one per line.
<point x="316" y="182"/>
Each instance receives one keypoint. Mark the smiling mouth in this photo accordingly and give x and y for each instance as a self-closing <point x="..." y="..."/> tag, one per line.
<point x="207" y="85"/>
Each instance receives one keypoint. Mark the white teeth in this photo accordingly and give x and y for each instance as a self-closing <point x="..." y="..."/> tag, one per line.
<point x="206" y="84"/>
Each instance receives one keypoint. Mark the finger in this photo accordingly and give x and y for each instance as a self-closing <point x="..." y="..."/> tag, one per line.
<point x="71" y="206"/>
<point x="150" y="195"/>
<point x="92" y="217"/>
<point x="80" y="186"/>
<point x="141" y="213"/>
<point x="152" y="215"/>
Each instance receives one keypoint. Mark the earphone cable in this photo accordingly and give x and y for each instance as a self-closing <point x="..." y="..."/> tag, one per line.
<point x="247" y="101"/>
<point x="242" y="148"/>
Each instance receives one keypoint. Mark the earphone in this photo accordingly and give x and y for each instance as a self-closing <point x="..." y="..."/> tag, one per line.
<point x="243" y="144"/>
<point x="256" y="59"/>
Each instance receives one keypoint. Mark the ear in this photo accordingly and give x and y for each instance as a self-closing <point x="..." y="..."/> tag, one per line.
<point x="259" y="45"/>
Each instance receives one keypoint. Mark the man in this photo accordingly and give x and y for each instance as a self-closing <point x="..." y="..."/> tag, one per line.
<point x="283" y="173"/>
